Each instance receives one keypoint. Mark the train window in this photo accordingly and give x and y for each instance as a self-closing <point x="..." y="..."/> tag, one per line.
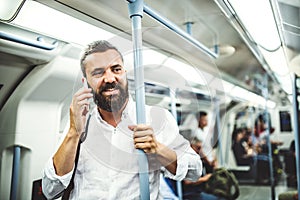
<point x="285" y="121"/>
<point x="9" y="9"/>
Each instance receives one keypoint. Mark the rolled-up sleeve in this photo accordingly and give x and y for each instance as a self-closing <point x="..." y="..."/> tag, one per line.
<point x="189" y="165"/>
<point x="52" y="184"/>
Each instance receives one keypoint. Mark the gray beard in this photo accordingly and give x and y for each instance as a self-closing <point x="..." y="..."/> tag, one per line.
<point x="112" y="103"/>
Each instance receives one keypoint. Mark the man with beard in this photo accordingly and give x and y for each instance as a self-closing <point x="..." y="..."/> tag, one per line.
<point x="108" y="161"/>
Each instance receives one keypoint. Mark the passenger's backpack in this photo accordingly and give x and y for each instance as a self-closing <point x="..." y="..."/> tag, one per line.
<point x="223" y="183"/>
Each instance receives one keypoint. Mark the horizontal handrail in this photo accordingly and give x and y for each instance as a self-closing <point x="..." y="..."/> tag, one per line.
<point x="166" y="22"/>
<point x="32" y="43"/>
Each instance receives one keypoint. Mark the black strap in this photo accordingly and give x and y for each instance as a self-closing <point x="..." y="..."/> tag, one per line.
<point x="70" y="187"/>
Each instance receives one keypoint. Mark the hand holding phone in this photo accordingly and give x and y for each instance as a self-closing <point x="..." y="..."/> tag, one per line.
<point x="85" y="85"/>
<point x="90" y="100"/>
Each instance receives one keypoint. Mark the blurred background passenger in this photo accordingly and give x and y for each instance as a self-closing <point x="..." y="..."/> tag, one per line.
<point x="243" y="152"/>
<point x="290" y="166"/>
<point x="263" y="135"/>
<point x="208" y="158"/>
<point x="196" y="190"/>
<point x="245" y="155"/>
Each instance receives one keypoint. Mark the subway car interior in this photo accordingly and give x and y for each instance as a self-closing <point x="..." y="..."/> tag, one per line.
<point x="238" y="61"/>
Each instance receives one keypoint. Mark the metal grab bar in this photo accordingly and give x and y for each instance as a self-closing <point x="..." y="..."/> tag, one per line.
<point x="32" y="43"/>
<point x="136" y="9"/>
<point x="135" y="12"/>
<point x="166" y="22"/>
<point x="15" y="173"/>
<point x="178" y="30"/>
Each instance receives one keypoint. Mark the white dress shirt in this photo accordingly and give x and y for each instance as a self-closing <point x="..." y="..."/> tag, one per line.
<point x="207" y="146"/>
<point x="108" y="163"/>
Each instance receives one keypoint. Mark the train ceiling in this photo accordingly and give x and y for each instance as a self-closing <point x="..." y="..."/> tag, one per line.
<point x="239" y="60"/>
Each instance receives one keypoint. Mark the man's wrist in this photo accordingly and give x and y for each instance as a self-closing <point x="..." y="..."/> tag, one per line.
<point x="73" y="133"/>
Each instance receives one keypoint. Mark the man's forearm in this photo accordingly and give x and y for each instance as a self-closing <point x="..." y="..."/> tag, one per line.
<point x="63" y="159"/>
<point x="168" y="158"/>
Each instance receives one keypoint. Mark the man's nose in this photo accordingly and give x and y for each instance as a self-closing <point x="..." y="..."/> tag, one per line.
<point x="109" y="76"/>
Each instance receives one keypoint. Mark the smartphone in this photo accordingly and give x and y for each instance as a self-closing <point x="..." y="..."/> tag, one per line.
<point x="84" y="82"/>
<point x="85" y="85"/>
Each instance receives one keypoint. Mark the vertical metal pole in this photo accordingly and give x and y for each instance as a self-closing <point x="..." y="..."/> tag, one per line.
<point x="270" y="157"/>
<point x="252" y="117"/>
<point x="218" y="124"/>
<point x="228" y="144"/>
<point x="296" y="129"/>
<point x="265" y="94"/>
<point x="173" y="103"/>
<point x="216" y="49"/>
<point x="189" y="27"/>
<point x="136" y="13"/>
<point x="174" y="113"/>
<point x="15" y="173"/>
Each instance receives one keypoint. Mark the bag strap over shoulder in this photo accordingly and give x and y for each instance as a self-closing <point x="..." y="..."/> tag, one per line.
<point x="70" y="187"/>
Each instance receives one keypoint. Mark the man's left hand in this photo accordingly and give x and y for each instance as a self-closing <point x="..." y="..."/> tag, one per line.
<point x="144" y="138"/>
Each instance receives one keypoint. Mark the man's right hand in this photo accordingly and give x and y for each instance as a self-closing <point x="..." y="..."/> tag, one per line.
<point x="79" y="109"/>
<point x="63" y="159"/>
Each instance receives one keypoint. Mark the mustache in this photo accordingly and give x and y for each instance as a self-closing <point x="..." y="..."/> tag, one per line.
<point x="108" y="86"/>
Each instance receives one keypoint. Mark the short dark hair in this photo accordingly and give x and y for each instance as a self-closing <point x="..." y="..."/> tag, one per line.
<point x="195" y="139"/>
<point x="202" y="114"/>
<point x="94" y="47"/>
<point x="235" y="134"/>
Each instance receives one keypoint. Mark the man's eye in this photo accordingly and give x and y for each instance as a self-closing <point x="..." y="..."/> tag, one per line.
<point x="97" y="73"/>
<point x="117" y="70"/>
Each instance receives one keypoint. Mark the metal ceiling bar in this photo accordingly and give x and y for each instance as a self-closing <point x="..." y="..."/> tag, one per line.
<point x="166" y="22"/>
<point x="32" y="43"/>
<point x="215" y="37"/>
<point x="136" y="13"/>
<point x="245" y="35"/>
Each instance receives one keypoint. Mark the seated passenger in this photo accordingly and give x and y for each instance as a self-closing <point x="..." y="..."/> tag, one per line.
<point x="246" y="155"/>
<point x="290" y="166"/>
<point x="264" y="135"/>
<point x="261" y="134"/>
<point x="195" y="190"/>
<point x="242" y="151"/>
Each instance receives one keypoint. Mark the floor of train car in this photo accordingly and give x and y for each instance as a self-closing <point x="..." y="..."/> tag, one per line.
<point x="263" y="192"/>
